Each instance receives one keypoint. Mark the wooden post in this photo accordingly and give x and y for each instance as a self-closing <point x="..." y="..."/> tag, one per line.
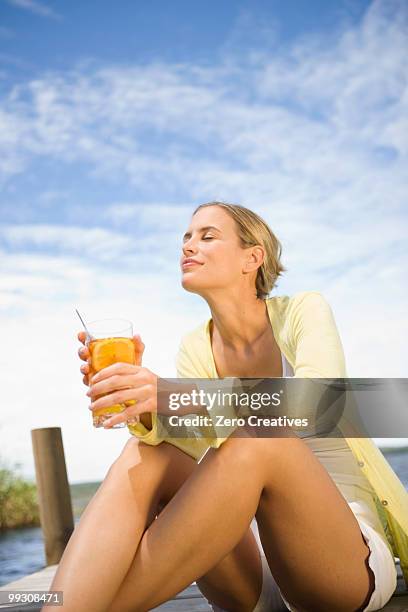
<point x="54" y="496"/>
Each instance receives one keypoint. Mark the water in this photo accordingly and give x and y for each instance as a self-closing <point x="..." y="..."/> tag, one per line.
<point x="22" y="550"/>
<point x="21" y="553"/>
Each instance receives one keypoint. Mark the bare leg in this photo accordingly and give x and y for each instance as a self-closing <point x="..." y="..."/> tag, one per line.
<point x="235" y="582"/>
<point x="140" y="483"/>
<point x="103" y="545"/>
<point x="310" y="536"/>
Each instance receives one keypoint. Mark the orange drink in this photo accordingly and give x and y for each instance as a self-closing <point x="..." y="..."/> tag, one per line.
<point x="104" y="351"/>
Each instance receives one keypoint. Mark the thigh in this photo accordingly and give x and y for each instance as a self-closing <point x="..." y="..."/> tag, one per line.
<point x="309" y="534"/>
<point x="146" y="474"/>
<point x="178" y="466"/>
<point x="163" y="468"/>
<point x="236" y="581"/>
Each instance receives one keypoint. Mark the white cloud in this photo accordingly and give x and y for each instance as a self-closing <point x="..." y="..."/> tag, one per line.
<point x="142" y="122"/>
<point x="312" y="137"/>
<point x="97" y="242"/>
<point x="160" y="217"/>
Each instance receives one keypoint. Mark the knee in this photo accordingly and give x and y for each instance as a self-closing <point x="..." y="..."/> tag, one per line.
<point x="134" y="453"/>
<point x="129" y="455"/>
<point x="239" y="451"/>
<point x="261" y="451"/>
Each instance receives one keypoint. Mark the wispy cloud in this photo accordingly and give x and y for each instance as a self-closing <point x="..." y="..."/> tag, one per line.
<point x="312" y="136"/>
<point x="329" y="116"/>
<point x="39" y="8"/>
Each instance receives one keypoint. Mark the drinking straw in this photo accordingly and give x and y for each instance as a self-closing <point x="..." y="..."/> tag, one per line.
<point x="83" y="323"/>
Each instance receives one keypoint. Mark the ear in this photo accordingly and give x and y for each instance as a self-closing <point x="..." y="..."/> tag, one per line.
<point x="254" y="258"/>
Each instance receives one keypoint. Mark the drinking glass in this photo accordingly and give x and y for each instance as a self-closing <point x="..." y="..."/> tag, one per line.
<point x="109" y="341"/>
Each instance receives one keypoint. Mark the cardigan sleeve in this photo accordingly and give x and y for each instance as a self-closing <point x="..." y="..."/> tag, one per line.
<point x="148" y="436"/>
<point x="316" y="342"/>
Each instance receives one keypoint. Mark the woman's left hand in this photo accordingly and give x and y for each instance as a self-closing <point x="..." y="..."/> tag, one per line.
<point x="124" y="382"/>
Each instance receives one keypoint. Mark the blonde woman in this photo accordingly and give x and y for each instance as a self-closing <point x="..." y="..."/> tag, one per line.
<point x="170" y="512"/>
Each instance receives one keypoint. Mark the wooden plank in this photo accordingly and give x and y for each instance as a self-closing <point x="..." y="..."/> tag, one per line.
<point x="189" y="600"/>
<point x="39" y="581"/>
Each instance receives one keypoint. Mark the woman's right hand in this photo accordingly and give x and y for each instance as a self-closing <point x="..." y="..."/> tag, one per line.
<point x="84" y="354"/>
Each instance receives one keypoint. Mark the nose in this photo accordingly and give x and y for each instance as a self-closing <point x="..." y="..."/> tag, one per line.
<point x="189" y="247"/>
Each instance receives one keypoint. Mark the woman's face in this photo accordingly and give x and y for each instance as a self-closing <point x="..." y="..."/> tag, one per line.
<point x="211" y="240"/>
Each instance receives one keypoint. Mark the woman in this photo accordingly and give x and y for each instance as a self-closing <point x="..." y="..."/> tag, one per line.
<point x="171" y="512"/>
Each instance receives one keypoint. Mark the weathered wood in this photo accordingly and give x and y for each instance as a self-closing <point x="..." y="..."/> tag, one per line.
<point x="189" y="600"/>
<point x="54" y="496"/>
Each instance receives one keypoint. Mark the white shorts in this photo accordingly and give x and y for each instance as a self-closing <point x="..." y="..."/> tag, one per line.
<point x="380" y="560"/>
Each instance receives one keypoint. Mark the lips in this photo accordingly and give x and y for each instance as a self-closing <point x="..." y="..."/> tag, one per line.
<point x="189" y="263"/>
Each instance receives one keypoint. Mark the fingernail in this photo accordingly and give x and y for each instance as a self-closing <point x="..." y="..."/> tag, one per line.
<point x="90" y="407"/>
<point x="107" y="424"/>
<point x="88" y="393"/>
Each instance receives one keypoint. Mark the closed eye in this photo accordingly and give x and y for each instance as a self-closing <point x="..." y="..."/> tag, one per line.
<point x="208" y="237"/>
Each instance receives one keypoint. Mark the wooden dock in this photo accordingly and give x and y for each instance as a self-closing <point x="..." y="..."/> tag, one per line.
<point x="189" y="600"/>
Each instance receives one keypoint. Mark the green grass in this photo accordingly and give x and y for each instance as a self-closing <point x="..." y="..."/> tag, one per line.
<point x="18" y="500"/>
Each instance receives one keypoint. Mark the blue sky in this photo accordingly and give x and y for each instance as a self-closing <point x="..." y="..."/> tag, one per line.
<point x="117" y="119"/>
<point x="56" y="35"/>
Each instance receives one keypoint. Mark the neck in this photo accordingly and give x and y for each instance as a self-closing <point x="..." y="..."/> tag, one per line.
<point x="238" y="321"/>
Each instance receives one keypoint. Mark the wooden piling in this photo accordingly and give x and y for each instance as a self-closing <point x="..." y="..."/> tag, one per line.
<point x="54" y="496"/>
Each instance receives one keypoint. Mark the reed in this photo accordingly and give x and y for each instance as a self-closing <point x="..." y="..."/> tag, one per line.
<point x="18" y="500"/>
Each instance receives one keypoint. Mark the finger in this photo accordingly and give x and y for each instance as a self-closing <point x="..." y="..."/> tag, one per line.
<point x="139" y="349"/>
<point x="85" y="380"/>
<point x="124" y="395"/>
<point x="83" y="353"/>
<point x="116" y="368"/>
<point x="128" y="413"/>
<point x="84" y="368"/>
<point x="113" y="383"/>
<point x="122" y="417"/>
<point x="82" y="337"/>
<point x="139" y="344"/>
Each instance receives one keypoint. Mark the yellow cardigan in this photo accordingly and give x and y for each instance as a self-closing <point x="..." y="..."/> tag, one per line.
<point x="306" y="333"/>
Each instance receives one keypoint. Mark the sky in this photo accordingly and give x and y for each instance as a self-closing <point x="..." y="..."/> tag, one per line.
<point x="118" y="119"/>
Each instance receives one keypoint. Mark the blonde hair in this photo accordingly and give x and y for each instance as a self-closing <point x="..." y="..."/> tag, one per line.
<point x="253" y="230"/>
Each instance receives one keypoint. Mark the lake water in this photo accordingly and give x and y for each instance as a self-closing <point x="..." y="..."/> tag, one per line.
<point x="22" y="550"/>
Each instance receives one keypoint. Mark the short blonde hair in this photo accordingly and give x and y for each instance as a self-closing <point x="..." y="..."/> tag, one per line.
<point x="253" y="230"/>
